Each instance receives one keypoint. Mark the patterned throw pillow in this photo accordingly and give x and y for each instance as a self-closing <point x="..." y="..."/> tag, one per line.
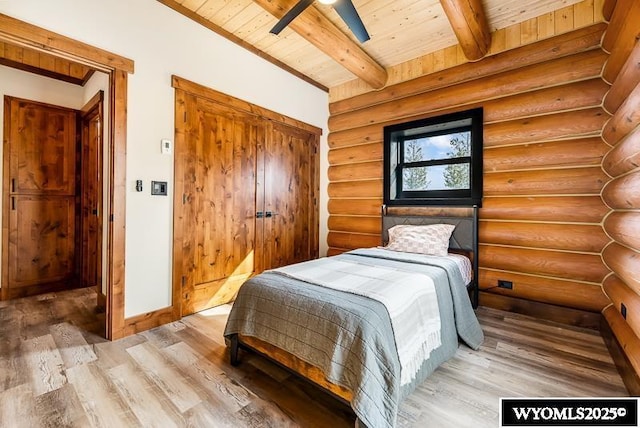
<point x="432" y="239"/>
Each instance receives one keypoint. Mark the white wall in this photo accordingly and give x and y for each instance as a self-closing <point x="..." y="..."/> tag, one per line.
<point x="32" y="87"/>
<point x="161" y="43"/>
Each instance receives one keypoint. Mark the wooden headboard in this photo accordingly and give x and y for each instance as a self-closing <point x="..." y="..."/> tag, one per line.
<point x="464" y="236"/>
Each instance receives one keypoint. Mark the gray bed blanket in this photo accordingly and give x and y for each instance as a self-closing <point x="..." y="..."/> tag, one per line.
<point x="350" y="336"/>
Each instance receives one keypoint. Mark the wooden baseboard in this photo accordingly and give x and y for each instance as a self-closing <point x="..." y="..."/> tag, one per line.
<point x="627" y="373"/>
<point x="9" y="293"/>
<point x="149" y="320"/>
<point x="561" y="314"/>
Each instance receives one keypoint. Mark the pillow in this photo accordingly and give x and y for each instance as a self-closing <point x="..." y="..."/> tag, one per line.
<point x="432" y="239"/>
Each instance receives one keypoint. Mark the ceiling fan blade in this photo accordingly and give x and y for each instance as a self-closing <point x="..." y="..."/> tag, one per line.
<point x="291" y="15"/>
<point x="348" y="13"/>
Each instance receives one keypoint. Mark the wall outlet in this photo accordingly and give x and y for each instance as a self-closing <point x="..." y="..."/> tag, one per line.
<point x="623" y="310"/>
<point x="505" y="284"/>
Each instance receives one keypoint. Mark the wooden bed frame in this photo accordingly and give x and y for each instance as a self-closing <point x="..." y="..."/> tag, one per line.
<point x="464" y="239"/>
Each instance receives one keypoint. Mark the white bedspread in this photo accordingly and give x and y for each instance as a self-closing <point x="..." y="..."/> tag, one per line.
<point x="410" y="299"/>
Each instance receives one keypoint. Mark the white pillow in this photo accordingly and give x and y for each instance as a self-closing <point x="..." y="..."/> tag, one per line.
<point x="432" y="239"/>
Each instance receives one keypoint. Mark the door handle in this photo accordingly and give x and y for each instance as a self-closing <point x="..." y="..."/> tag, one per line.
<point x="269" y="214"/>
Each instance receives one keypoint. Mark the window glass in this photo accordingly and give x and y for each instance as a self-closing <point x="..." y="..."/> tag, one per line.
<point x="434" y="161"/>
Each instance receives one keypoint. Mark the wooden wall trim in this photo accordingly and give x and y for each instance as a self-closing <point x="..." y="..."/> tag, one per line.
<point x="147" y="321"/>
<point x="623" y="364"/>
<point x="237" y="103"/>
<point x="117" y="199"/>
<point x="22" y="33"/>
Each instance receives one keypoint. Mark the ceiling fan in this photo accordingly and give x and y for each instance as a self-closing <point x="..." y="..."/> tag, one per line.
<point x="345" y="9"/>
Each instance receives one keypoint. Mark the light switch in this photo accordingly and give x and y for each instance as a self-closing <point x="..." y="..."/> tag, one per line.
<point x="159" y="188"/>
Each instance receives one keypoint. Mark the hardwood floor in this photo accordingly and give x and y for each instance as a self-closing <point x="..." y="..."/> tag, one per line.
<point x="56" y="370"/>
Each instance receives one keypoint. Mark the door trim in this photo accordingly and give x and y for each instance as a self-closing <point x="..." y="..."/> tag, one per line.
<point x="93" y="107"/>
<point x="117" y="67"/>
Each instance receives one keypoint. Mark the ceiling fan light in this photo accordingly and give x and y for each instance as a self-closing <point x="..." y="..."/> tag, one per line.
<point x="327" y="1"/>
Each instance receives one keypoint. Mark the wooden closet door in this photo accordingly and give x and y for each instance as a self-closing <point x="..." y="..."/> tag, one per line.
<point x="219" y="202"/>
<point x="40" y="182"/>
<point x="290" y="196"/>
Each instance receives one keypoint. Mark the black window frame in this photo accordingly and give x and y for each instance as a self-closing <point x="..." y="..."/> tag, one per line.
<point x="394" y="164"/>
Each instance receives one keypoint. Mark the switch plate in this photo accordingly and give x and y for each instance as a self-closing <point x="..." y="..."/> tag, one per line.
<point x="159" y="188"/>
<point x="166" y="147"/>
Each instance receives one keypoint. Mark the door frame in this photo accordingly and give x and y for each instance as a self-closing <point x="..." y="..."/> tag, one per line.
<point x="94" y="107"/>
<point x="117" y="67"/>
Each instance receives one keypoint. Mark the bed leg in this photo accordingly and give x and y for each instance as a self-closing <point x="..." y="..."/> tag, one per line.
<point x="233" y="350"/>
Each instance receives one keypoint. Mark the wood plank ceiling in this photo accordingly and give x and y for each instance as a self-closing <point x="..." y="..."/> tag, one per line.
<point x="401" y="30"/>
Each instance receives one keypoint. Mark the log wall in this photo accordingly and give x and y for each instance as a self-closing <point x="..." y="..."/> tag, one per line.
<point x="622" y="191"/>
<point x="565" y="19"/>
<point x="542" y="214"/>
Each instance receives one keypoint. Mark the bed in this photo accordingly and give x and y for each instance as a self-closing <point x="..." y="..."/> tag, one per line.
<point x="335" y="322"/>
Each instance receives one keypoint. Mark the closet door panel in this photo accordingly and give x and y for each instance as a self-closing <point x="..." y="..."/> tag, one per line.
<point x="221" y="187"/>
<point x="289" y="196"/>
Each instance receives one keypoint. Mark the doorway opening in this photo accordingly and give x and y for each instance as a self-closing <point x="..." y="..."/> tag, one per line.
<point x="36" y="41"/>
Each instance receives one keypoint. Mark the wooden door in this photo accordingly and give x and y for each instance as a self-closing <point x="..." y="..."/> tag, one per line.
<point x="91" y="195"/>
<point x="39" y="206"/>
<point x="219" y="202"/>
<point x="290" y="196"/>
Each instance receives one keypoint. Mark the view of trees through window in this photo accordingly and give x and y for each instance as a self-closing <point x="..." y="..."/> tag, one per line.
<point x="434" y="161"/>
<point x="438" y="151"/>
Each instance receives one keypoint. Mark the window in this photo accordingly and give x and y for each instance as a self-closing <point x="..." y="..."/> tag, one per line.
<point x="435" y="161"/>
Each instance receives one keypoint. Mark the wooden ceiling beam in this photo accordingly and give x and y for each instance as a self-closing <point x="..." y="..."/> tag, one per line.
<point x="469" y="23"/>
<point x="322" y="33"/>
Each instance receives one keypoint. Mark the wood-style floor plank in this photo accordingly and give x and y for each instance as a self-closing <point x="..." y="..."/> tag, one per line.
<point x="55" y="370"/>
<point x="17" y="407"/>
<point x="99" y="397"/>
<point x="145" y="401"/>
<point x="72" y="345"/>
<point x="163" y="374"/>
<point x="44" y="363"/>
